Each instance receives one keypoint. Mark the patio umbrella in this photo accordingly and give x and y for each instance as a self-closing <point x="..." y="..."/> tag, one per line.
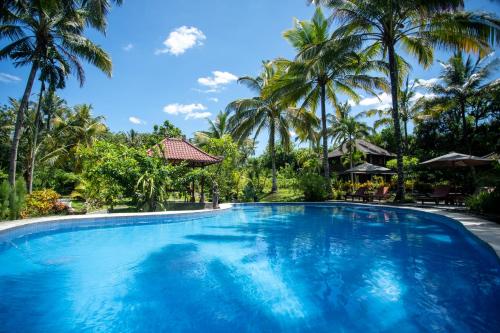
<point x="457" y="160"/>
<point x="368" y="168"/>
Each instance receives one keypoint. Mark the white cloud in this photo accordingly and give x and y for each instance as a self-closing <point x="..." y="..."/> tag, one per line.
<point x="293" y="134"/>
<point x="419" y="95"/>
<point x="426" y="83"/>
<point x="383" y="98"/>
<point x="128" y="47"/>
<point x="213" y="99"/>
<point x="218" y="80"/>
<point x="198" y="115"/>
<point x="192" y="111"/>
<point x="182" y="39"/>
<point x="135" y="120"/>
<point x="4" y="77"/>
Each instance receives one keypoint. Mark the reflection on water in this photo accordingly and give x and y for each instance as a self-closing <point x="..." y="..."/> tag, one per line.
<point x="311" y="268"/>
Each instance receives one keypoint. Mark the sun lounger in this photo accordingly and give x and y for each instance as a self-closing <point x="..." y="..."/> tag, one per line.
<point x="360" y="193"/>
<point x="440" y="193"/>
<point x="382" y="193"/>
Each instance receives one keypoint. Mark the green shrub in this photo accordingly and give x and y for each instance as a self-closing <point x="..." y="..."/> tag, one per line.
<point x="12" y="200"/>
<point x="4" y="200"/>
<point x="313" y="186"/>
<point x="16" y="199"/>
<point x="43" y="202"/>
<point x="250" y="193"/>
<point x="485" y="203"/>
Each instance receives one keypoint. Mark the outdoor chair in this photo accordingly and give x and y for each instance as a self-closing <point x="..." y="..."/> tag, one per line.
<point x="360" y="193"/>
<point x="440" y="193"/>
<point x="382" y="193"/>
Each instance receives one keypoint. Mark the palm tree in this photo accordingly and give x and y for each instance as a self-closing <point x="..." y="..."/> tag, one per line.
<point x="251" y="115"/>
<point x="411" y="107"/>
<point x="414" y="26"/>
<point x="461" y="82"/>
<point x="217" y="128"/>
<point x="83" y="128"/>
<point x="345" y="130"/>
<point x="48" y="104"/>
<point x="41" y="32"/>
<point x="324" y="66"/>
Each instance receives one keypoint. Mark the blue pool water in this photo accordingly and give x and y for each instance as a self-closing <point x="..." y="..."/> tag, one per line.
<point x="269" y="268"/>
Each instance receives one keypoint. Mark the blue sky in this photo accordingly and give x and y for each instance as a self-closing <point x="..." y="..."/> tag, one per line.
<point x="178" y="60"/>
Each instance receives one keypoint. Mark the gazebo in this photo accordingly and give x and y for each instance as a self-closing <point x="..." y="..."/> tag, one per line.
<point x="179" y="150"/>
<point x="373" y="154"/>
<point x="369" y="170"/>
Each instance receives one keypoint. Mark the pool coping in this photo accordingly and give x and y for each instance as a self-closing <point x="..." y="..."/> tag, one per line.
<point x="487" y="231"/>
<point x="10" y="225"/>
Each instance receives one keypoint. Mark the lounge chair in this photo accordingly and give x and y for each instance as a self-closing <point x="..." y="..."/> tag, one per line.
<point x="439" y="193"/>
<point x="360" y="193"/>
<point x="382" y="193"/>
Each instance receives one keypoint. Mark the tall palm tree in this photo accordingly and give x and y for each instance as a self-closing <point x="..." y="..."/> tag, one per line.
<point x="324" y="66"/>
<point x="48" y="104"/>
<point x="461" y="82"/>
<point x="345" y="130"/>
<point x="40" y="32"/>
<point x="410" y="108"/>
<point x="414" y="26"/>
<point x="251" y="115"/>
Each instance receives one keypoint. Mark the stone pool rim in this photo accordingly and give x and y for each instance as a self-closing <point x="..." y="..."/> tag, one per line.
<point x="486" y="232"/>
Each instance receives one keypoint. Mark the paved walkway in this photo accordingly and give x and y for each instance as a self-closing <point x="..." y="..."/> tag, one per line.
<point x="486" y="230"/>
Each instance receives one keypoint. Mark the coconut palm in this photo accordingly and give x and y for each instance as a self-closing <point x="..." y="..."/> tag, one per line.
<point x="324" y="66"/>
<point x="414" y="26"/>
<point x="83" y="128"/>
<point x="252" y="115"/>
<point x="217" y="128"/>
<point x="461" y="82"/>
<point x="42" y="32"/>
<point x="345" y="131"/>
<point x="410" y="108"/>
<point x="48" y="105"/>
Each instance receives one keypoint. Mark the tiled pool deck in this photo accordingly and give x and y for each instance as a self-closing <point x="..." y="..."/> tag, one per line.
<point x="487" y="231"/>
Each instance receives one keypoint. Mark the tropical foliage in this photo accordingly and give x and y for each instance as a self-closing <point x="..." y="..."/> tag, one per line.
<point x="300" y="108"/>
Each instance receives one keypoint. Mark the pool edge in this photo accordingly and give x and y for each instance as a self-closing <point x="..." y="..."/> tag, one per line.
<point x="6" y="226"/>
<point x="486" y="231"/>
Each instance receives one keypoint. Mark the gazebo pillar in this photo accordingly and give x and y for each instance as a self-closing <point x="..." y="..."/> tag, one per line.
<point x="193" y="199"/>
<point x="202" y="190"/>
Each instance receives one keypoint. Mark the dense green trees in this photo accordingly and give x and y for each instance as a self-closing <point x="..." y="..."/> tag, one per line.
<point x="251" y="115"/>
<point x="44" y="33"/>
<point x="69" y="149"/>
<point x="465" y="87"/>
<point x="415" y="26"/>
<point x="326" y="64"/>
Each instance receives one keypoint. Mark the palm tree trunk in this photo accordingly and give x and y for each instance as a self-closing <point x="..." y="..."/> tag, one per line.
<point x="464" y="127"/>
<point x="406" y="136"/>
<point x="324" y="135"/>
<point x="272" y="133"/>
<point x="19" y="125"/>
<point x="393" y="73"/>
<point x="351" y="163"/>
<point x="31" y="169"/>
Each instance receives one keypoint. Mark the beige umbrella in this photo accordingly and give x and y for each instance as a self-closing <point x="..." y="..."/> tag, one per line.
<point x="457" y="160"/>
<point x="368" y="168"/>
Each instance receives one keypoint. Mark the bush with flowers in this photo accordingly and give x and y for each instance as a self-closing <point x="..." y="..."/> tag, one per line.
<point x="43" y="202"/>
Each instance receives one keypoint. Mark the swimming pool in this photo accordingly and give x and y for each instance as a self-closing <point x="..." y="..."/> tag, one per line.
<point x="252" y="268"/>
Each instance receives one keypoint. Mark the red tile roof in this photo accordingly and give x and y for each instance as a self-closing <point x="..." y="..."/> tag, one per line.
<point x="180" y="150"/>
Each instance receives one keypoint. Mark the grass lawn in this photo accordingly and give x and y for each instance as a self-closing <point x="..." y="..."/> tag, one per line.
<point x="283" y="195"/>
